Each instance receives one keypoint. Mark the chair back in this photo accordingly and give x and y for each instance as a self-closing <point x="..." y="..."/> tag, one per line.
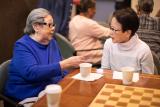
<point x="66" y="48"/>
<point x="156" y="63"/>
<point x="3" y="78"/>
<point x="3" y="74"/>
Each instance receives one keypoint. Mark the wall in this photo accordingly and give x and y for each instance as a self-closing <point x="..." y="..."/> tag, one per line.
<point x="104" y="9"/>
<point x="12" y="20"/>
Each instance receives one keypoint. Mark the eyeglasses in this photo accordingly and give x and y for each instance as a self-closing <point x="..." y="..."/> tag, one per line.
<point x="49" y="24"/>
<point x="114" y="30"/>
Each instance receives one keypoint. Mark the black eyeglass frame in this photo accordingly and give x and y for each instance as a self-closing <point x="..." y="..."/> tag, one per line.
<point x="50" y="25"/>
<point x="114" y="30"/>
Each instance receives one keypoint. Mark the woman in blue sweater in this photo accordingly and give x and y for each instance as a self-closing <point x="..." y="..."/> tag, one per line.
<point x="36" y="60"/>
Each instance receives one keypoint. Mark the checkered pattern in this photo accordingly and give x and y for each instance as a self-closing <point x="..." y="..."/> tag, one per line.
<point x="148" y="22"/>
<point x="126" y="96"/>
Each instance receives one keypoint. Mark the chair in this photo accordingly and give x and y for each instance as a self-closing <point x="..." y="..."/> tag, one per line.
<point x="152" y="38"/>
<point x="3" y="77"/>
<point x="67" y="50"/>
<point x="156" y="63"/>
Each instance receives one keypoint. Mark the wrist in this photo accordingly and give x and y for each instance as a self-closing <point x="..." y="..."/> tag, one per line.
<point x="64" y="64"/>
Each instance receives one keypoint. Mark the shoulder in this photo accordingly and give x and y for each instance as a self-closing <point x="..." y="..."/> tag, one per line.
<point x="143" y="47"/>
<point x="23" y="39"/>
<point x="83" y="19"/>
<point x="143" y="44"/>
<point x="23" y="42"/>
<point x="108" y="43"/>
<point x="53" y="41"/>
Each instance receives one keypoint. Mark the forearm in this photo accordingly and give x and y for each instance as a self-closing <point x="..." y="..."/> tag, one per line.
<point x="40" y="73"/>
<point x="64" y="64"/>
<point x="71" y="62"/>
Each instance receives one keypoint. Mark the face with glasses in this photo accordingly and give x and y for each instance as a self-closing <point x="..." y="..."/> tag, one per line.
<point x="51" y="25"/>
<point x="45" y="29"/>
<point x="117" y="34"/>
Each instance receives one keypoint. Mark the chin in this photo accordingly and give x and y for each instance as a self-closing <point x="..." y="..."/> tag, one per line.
<point x="113" y="40"/>
<point x="50" y="38"/>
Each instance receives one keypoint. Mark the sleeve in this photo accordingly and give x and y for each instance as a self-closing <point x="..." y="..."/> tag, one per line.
<point x="98" y="30"/>
<point x="27" y="65"/>
<point x="105" y="63"/>
<point x="147" y="63"/>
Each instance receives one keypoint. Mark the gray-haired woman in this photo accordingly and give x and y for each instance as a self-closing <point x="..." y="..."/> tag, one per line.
<point x="36" y="60"/>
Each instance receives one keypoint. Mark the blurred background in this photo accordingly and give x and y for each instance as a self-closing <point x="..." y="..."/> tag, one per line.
<point x="14" y="13"/>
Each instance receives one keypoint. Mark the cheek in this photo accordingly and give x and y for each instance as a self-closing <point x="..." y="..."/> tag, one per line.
<point x="47" y="32"/>
<point x="126" y="38"/>
<point x="118" y="38"/>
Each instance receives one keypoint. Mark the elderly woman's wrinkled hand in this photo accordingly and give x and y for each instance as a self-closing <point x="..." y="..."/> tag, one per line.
<point x="72" y="62"/>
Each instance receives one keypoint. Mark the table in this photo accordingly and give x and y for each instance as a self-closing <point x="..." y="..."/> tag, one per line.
<point x="78" y="93"/>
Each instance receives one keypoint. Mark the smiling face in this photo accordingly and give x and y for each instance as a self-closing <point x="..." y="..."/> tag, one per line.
<point x="117" y="34"/>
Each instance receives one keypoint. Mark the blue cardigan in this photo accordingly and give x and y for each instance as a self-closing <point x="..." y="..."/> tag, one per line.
<point x="33" y="66"/>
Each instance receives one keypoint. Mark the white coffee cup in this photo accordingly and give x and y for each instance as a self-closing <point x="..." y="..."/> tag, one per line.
<point x="85" y="69"/>
<point x="127" y="75"/>
<point x="53" y="93"/>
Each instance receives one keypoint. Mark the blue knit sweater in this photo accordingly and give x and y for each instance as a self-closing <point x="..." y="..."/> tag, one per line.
<point x="33" y="66"/>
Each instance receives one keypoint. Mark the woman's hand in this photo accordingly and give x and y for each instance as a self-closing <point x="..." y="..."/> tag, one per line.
<point x="72" y="62"/>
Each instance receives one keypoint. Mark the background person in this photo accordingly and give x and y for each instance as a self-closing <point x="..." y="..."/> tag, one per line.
<point x="145" y="8"/>
<point x="84" y="33"/>
<point x="149" y="29"/>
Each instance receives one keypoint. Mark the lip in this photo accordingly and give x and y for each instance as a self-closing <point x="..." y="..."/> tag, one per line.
<point x="112" y="37"/>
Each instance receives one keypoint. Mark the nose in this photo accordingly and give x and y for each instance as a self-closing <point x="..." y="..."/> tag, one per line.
<point x="53" y="27"/>
<point x="110" y="32"/>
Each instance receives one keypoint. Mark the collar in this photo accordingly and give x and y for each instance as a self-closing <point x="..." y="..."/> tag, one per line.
<point x="144" y="15"/>
<point x="128" y="45"/>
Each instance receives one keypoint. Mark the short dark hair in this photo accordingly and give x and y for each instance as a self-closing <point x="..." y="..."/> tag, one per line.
<point x="128" y="19"/>
<point x="85" y="5"/>
<point x="146" y="5"/>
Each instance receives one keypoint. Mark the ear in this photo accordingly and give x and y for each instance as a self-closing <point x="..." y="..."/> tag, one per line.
<point x="129" y="32"/>
<point x="36" y="27"/>
<point x="89" y="10"/>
